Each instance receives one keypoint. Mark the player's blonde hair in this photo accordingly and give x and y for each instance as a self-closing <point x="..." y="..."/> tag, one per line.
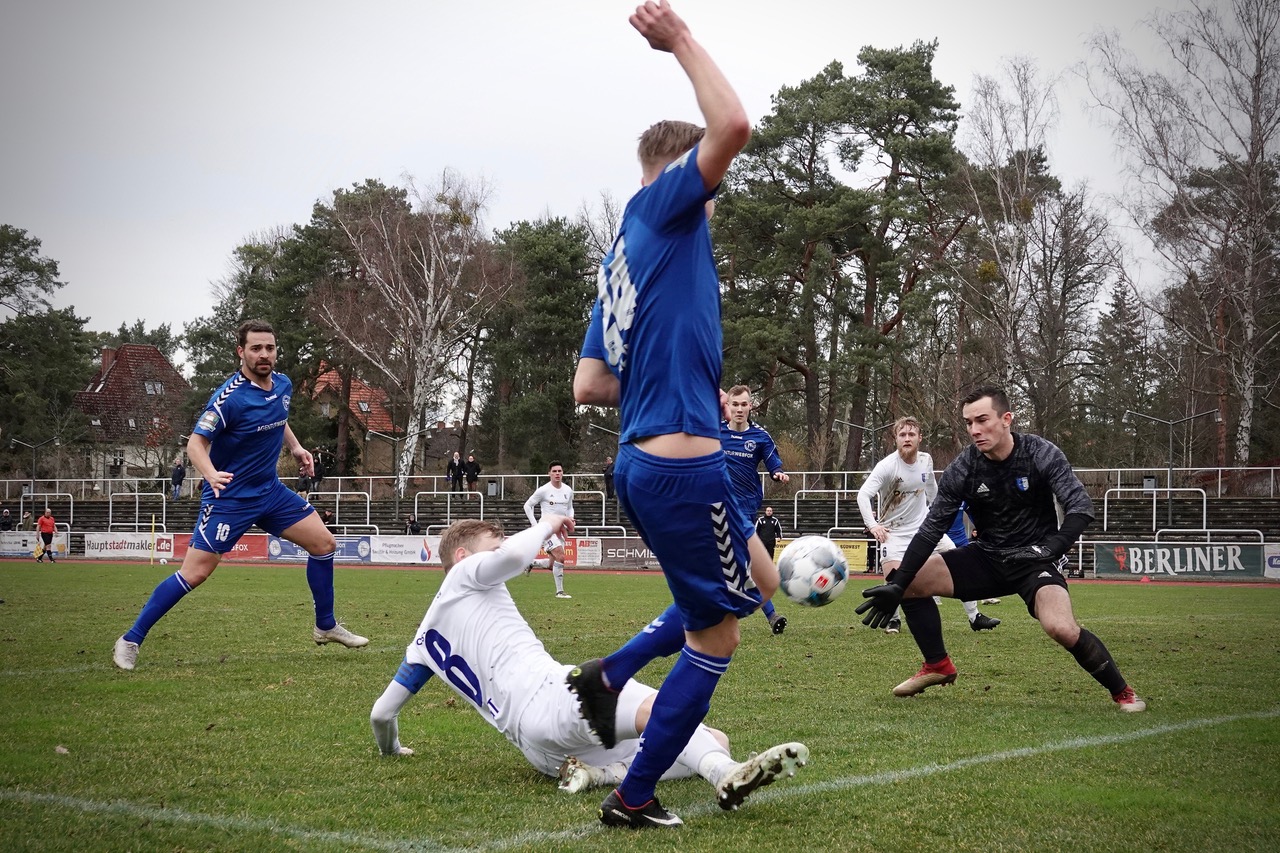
<point x="906" y="420"/>
<point x="464" y="534"/>
<point x="739" y="389"/>
<point x="667" y="140"/>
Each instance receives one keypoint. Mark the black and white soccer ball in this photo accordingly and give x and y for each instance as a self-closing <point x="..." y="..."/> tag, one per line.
<point x="813" y="570"/>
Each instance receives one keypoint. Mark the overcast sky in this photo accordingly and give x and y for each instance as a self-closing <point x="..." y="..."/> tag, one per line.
<point x="144" y="141"/>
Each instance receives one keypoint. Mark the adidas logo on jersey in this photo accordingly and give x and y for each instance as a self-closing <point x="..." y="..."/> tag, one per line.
<point x="982" y="489"/>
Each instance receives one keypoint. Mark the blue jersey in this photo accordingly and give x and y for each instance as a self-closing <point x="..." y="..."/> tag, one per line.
<point x="656" y="323"/>
<point x="245" y="427"/>
<point x="959" y="534"/>
<point x="743" y="453"/>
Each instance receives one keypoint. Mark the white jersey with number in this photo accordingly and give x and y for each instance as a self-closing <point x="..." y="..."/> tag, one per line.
<point x="474" y="638"/>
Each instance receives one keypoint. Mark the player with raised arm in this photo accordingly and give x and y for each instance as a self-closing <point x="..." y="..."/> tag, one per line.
<point x="236" y="445"/>
<point x="904" y="483"/>
<point x="553" y="497"/>
<point x="654" y="348"/>
<point x="747" y="446"/>
<point x="1008" y="483"/>
<point x="475" y="639"/>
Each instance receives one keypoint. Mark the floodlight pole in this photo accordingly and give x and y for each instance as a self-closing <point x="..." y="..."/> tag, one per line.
<point x="1171" y="424"/>
<point x="57" y="440"/>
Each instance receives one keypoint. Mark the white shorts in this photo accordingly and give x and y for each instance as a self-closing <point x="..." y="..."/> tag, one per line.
<point x="895" y="547"/>
<point x="551" y="729"/>
<point x="553" y="543"/>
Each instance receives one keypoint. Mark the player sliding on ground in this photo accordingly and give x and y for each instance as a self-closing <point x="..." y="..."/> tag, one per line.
<point x="475" y="639"/>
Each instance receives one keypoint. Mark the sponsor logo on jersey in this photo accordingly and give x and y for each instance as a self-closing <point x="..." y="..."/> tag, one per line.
<point x="208" y="420"/>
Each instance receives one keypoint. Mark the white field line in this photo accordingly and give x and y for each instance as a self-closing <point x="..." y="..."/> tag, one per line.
<point x="785" y="791"/>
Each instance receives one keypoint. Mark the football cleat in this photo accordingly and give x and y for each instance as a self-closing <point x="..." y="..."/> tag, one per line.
<point x="338" y="634"/>
<point x="894" y="626"/>
<point x="614" y="812"/>
<point x="574" y="776"/>
<point x="989" y="601"/>
<point x="597" y="703"/>
<point x="760" y="770"/>
<point x="982" y="622"/>
<point x="125" y="654"/>
<point x="1129" y="701"/>
<point x="563" y="594"/>
<point x="779" y="624"/>
<point x="929" y="675"/>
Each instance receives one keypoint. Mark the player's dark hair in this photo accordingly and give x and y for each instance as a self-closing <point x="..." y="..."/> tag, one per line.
<point x="554" y="464"/>
<point x="242" y="333"/>
<point x="999" y="399"/>
<point x="463" y="534"/>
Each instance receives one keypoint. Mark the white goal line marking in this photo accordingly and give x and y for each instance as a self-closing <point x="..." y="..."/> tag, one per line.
<point x="372" y="842"/>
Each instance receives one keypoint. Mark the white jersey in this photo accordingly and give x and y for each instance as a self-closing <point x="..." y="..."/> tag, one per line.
<point x="905" y="492"/>
<point x="475" y="639"/>
<point x="552" y="501"/>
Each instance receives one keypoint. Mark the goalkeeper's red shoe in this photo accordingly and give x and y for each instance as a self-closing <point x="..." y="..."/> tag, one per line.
<point x="943" y="672"/>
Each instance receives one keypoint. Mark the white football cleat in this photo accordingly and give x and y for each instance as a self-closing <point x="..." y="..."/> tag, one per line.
<point x="125" y="654"/>
<point x="574" y="776"/>
<point x="758" y="771"/>
<point x="338" y="634"/>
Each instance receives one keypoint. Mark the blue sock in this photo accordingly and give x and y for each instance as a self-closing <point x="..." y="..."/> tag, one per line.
<point x="320" y="579"/>
<point x="681" y="704"/>
<point x="768" y="609"/>
<point x="166" y="594"/>
<point x="661" y="638"/>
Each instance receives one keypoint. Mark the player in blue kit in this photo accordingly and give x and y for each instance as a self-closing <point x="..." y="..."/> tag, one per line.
<point x="654" y="349"/>
<point x="746" y="446"/>
<point x="235" y="446"/>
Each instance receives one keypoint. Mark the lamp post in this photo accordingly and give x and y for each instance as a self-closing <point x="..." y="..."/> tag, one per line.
<point x="395" y="462"/>
<point x="870" y="431"/>
<point x="1128" y="418"/>
<point x="56" y="441"/>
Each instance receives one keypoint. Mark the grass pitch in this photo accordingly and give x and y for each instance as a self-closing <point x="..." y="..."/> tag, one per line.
<point x="236" y="732"/>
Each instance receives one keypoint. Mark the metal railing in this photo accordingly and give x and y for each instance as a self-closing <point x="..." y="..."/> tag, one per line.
<point x="1204" y="503"/>
<point x="1217" y="482"/>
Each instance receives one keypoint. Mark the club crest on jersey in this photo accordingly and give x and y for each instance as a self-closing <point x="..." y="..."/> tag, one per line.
<point x="1022" y="483"/>
<point x="749" y="445"/>
<point x="285" y="400"/>
<point x="924" y="478"/>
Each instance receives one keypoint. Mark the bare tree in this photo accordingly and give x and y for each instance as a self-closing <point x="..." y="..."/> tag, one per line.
<point x="417" y="290"/>
<point x="1201" y="139"/>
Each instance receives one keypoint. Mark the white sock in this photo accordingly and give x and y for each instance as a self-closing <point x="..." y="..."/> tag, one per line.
<point x="557" y="572"/>
<point x="971" y="609"/>
<point x="705" y="756"/>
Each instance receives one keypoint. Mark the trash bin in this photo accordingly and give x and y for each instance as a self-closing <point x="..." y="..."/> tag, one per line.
<point x="493" y="488"/>
<point x="1148" y="485"/>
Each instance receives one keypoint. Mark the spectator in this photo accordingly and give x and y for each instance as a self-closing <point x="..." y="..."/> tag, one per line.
<point x="472" y="470"/>
<point x="608" y="477"/>
<point x="326" y="518"/>
<point x="6" y="521"/>
<point x="454" y="470"/>
<point x="304" y="487"/>
<point x="28" y="523"/>
<point x="178" y="476"/>
<point x="411" y="526"/>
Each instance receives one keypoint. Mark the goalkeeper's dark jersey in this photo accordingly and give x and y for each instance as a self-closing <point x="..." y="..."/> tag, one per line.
<point x="1010" y="502"/>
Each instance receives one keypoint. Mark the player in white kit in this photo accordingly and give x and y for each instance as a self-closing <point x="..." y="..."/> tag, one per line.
<point x="554" y="497"/>
<point x="475" y="638"/>
<point x="905" y="484"/>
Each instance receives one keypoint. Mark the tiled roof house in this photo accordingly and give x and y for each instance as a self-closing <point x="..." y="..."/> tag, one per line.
<point x="134" y="404"/>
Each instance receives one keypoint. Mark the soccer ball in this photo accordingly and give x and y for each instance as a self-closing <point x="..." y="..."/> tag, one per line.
<point x="813" y="571"/>
<point x="163" y="561"/>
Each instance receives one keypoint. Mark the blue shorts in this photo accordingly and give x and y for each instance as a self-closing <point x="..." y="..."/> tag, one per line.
<point x="222" y="521"/>
<point x="684" y="511"/>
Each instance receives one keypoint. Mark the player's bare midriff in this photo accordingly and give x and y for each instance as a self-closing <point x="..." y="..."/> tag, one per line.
<point x="678" y="445"/>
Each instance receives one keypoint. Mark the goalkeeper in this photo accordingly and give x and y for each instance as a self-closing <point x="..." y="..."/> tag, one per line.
<point x="1009" y="482"/>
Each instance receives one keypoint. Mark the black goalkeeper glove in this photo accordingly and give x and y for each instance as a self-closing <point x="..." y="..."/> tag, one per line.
<point x="882" y="602"/>
<point x="1027" y="554"/>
